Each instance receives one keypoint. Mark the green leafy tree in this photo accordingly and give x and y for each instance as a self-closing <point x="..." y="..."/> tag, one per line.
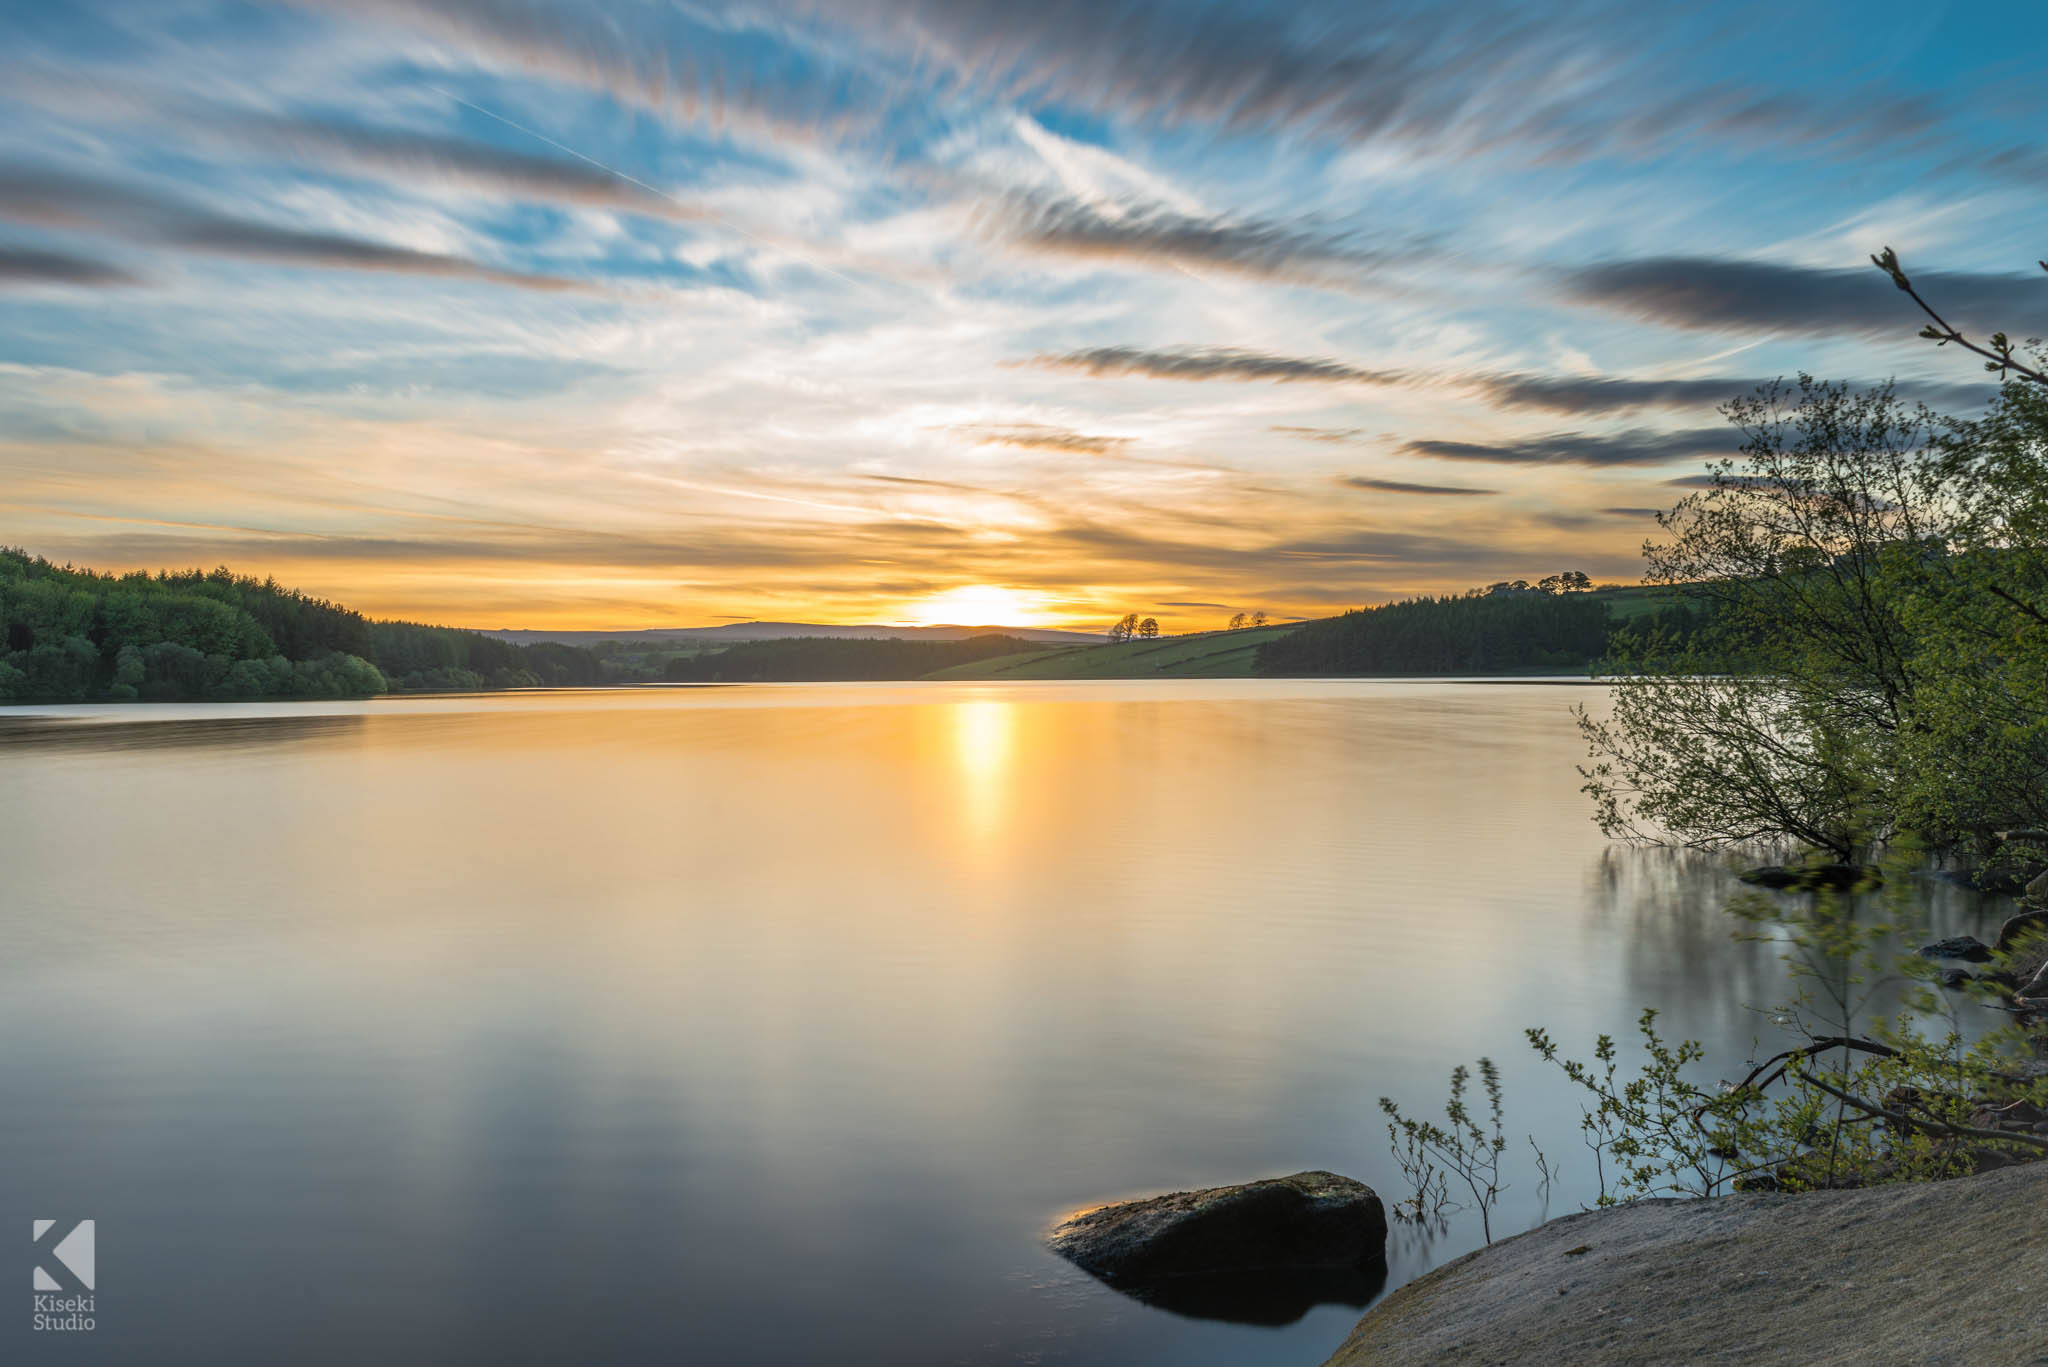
<point x="1789" y="717"/>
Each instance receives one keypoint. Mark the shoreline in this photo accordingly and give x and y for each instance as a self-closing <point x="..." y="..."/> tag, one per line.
<point x="1911" y="1273"/>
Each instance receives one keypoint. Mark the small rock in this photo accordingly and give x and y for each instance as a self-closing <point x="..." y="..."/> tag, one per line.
<point x="1967" y="947"/>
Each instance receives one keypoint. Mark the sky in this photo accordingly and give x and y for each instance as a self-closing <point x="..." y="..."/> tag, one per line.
<point x="572" y="315"/>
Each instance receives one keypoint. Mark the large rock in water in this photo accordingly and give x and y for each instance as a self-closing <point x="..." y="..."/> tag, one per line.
<point x="1263" y="1252"/>
<point x="1812" y="877"/>
<point x="1967" y="947"/>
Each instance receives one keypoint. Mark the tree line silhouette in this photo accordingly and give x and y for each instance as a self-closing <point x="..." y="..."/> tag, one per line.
<point x="71" y="635"/>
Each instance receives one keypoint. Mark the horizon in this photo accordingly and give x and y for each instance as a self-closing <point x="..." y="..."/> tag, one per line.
<point x="458" y="311"/>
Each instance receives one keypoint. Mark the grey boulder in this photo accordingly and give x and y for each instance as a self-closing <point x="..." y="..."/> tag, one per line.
<point x="1311" y="1219"/>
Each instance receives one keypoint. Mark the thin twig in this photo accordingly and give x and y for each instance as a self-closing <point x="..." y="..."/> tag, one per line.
<point x="1999" y="353"/>
<point x="2027" y="608"/>
<point x="1939" y="1129"/>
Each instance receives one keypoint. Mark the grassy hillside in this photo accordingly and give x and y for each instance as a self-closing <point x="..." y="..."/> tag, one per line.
<point x="1209" y="655"/>
<point x="801" y="659"/>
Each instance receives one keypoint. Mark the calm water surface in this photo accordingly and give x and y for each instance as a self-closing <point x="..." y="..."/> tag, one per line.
<point x="773" y="1024"/>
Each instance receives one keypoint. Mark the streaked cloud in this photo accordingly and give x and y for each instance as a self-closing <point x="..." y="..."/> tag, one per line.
<point x="34" y="265"/>
<point x="1042" y="437"/>
<point x="440" y="161"/>
<point x="1638" y="446"/>
<point x="1708" y="293"/>
<point x="1475" y="77"/>
<point x="1210" y="363"/>
<point x="1395" y="486"/>
<point x="50" y="197"/>
<point x="1599" y="394"/>
<point x="1151" y="234"/>
<point x="658" y="60"/>
<point x="843" y="329"/>
<point x="1334" y="436"/>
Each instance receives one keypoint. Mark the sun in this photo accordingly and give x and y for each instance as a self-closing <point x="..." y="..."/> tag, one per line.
<point x="976" y="605"/>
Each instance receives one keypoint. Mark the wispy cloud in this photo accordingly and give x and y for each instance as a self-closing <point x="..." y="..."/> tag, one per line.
<point x="50" y="197"/>
<point x="1638" y="446"/>
<point x="1151" y="234"/>
<point x="1598" y="394"/>
<point x="1708" y="293"/>
<point x="1210" y="363"/>
<point x="440" y="161"/>
<point x="34" y="265"/>
<point x="657" y="59"/>
<point x="1474" y="76"/>
<point x="1395" y="486"/>
<point x="1041" y="437"/>
<point x="1333" y="436"/>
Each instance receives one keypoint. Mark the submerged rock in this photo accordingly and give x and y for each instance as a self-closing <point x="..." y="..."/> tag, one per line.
<point x="2001" y="880"/>
<point x="1966" y="947"/>
<point x="1834" y="877"/>
<point x="1264" y="1252"/>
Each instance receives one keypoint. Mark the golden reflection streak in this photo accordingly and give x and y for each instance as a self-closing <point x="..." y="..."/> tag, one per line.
<point x="984" y="734"/>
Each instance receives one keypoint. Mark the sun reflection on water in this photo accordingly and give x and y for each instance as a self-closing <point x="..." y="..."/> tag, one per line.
<point x="984" y="734"/>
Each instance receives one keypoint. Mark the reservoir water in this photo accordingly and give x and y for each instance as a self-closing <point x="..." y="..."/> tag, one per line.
<point x="773" y="1024"/>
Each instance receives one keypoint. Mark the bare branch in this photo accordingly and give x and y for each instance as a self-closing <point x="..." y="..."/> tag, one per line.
<point x="1938" y="1129"/>
<point x="1998" y="355"/>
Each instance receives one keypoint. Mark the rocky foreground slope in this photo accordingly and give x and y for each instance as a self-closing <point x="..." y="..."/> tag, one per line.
<point x="1923" y="1273"/>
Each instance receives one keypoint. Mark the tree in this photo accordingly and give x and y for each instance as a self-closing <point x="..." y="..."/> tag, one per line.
<point x="1571" y="581"/>
<point x="1802" y="711"/>
<point x="1465" y="633"/>
<point x="1258" y="619"/>
<point x="1237" y="622"/>
<point x="1149" y="628"/>
<point x="1126" y="627"/>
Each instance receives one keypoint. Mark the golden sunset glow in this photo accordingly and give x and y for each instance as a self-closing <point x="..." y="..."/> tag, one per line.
<point x="979" y="605"/>
<point x="568" y="350"/>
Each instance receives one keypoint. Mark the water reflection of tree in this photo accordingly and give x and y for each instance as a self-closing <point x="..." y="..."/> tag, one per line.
<point x="1666" y="913"/>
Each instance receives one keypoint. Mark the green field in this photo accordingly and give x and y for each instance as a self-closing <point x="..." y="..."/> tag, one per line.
<point x="1205" y="655"/>
<point x="1627" y="604"/>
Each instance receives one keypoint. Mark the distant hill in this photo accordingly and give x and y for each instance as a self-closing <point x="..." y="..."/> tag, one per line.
<point x="1203" y="655"/>
<point x="782" y="631"/>
<point x="808" y="659"/>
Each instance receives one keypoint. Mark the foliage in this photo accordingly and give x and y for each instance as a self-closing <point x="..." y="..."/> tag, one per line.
<point x="70" y="635"/>
<point x="1467" y="1146"/>
<point x="1498" y="628"/>
<point x="1845" y="558"/>
<point x="1861" y="1097"/>
<point x="1641" y="1130"/>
